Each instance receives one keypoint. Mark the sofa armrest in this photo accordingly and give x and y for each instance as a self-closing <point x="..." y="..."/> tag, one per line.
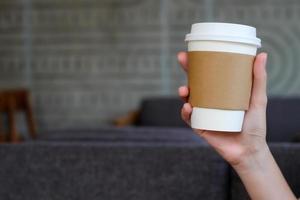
<point x="119" y="170"/>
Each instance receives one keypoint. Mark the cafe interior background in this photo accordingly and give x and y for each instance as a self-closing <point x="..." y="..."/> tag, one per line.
<point x="91" y="65"/>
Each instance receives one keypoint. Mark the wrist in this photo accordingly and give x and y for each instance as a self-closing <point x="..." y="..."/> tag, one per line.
<point x="262" y="177"/>
<point x="253" y="158"/>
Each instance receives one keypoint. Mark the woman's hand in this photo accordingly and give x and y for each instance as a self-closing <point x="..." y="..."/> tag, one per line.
<point x="236" y="147"/>
<point x="247" y="152"/>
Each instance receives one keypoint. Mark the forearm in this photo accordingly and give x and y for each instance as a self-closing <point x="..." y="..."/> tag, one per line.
<point x="262" y="177"/>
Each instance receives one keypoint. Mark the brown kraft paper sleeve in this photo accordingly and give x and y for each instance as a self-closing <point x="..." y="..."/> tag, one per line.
<point x="220" y="80"/>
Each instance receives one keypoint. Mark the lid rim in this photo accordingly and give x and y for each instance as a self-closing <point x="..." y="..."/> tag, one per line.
<point x="225" y="23"/>
<point x="252" y="41"/>
<point x="220" y="31"/>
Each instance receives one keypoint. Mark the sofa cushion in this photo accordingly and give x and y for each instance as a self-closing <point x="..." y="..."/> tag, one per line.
<point x="124" y="134"/>
<point x="296" y="138"/>
<point x="111" y="170"/>
<point x="283" y="119"/>
<point x="288" y="158"/>
<point x="161" y="111"/>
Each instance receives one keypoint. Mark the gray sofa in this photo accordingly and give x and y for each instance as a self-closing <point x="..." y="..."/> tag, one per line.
<point x="283" y="116"/>
<point x="116" y="164"/>
<point x="143" y="162"/>
<point x="124" y="164"/>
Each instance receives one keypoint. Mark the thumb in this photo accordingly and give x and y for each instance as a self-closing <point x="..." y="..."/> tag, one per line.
<point x="259" y="87"/>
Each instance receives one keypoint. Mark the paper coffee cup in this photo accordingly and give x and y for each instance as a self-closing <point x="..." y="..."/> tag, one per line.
<point x="220" y="59"/>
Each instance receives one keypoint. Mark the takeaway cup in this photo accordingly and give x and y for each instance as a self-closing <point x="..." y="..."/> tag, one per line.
<point x="220" y="59"/>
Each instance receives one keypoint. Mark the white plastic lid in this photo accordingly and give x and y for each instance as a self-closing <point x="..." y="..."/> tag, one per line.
<point x="224" y="32"/>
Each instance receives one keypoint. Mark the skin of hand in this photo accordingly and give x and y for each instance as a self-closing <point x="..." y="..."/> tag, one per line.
<point x="247" y="152"/>
<point x="235" y="146"/>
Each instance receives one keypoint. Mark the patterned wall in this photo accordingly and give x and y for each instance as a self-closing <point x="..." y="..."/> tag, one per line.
<point x="88" y="61"/>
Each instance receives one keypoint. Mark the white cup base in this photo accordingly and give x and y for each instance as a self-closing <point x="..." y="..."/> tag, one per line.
<point x="217" y="119"/>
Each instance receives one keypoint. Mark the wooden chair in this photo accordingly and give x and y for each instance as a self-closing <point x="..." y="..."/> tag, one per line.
<point x="11" y="102"/>
<point x="127" y="120"/>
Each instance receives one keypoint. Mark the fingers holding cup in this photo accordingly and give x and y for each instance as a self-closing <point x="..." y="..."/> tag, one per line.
<point x="183" y="92"/>
<point x="183" y="60"/>
<point x="186" y="112"/>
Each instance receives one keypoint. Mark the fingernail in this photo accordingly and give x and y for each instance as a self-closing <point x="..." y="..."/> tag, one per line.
<point x="179" y="90"/>
<point x="187" y="107"/>
<point x="265" y="60"/>
<point x="179" y="54"/>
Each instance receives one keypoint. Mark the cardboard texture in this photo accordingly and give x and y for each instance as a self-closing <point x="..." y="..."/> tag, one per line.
<point x="220" y="80"/>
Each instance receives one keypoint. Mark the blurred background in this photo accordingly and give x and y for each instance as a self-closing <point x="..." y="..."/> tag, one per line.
<point x="86" y="62"/>
<point x="94" y="82"/>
